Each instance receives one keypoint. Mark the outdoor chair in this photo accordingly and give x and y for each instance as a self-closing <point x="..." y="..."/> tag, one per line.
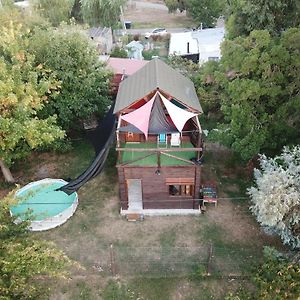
<point x="209" y="193"/>
<point x="162" y="140"/>
<point x="175" y="139"/>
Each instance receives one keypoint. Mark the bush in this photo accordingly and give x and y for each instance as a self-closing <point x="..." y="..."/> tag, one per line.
<point x="276" y="197"/>
<point x="119" y="52"/>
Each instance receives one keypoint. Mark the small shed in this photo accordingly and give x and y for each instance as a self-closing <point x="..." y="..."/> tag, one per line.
<point x="102" y="37"/>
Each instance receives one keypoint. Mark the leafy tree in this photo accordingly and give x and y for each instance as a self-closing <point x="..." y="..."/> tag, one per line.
<point x="76" y="11"/>
<point x="274" y="16"/>
<point x="24" y="90"/>
<point x="202" y="11"/>
<point x="205" y="11"/>
<point x="185" y="66"/>
<point x="56" y="11"/>
<point x="259" y="84"/>
<point x="101" y="12"/>
<point x="23" y="259"/>
<point x="207" y="87"/>
<point x="84" y="81"/>
<point x="276" y="197"/>
<point x="173" y="5"/>
<point x="278" y="277"/>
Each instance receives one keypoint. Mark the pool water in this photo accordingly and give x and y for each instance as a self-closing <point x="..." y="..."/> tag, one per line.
<point x="42" y="201"/>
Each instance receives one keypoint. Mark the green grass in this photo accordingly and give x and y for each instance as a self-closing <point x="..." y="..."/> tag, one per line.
<point x="151" y="160"/>
<point x="154" y="288"/>
<point x="79" y="159"/>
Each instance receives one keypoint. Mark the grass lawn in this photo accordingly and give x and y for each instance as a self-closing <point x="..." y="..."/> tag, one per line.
<point x="128" y="156"/>
<point x="149" y="254"/>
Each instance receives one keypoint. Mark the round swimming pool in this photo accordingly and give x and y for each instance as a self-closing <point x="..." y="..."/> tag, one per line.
<point x="47" y="207"/>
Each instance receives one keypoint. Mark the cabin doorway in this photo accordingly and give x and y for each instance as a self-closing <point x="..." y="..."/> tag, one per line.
<point x="135" y="194"/>
<point x="132" y="137"/>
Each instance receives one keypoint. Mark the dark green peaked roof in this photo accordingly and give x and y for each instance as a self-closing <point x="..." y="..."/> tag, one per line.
<point x="156" y="74"/>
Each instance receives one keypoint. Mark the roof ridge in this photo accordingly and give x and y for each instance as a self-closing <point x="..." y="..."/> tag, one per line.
<point x="156" y="72"/>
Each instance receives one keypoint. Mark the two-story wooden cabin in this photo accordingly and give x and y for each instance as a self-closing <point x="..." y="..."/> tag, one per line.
<point x="158" y="140"/>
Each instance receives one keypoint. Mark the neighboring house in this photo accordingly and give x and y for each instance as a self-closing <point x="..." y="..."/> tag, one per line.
<point x="135" y="49"/>
<point x="198" y="46"/>
<point x="122" y="68"/>
<point x="103" y="39"/>
<point x="184" y="45"/>
<point x="158" y="142"/>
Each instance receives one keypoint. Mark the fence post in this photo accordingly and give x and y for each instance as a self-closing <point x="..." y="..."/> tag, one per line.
<point x="112" y="260"/>
<point x="209" y="260"/>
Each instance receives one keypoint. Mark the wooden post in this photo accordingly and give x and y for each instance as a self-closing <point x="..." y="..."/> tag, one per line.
<point x="112" y="260"/>
<point x="209" y="260"/>
<point x="158" y="160"/>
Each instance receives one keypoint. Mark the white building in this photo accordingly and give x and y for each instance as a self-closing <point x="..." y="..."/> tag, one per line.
<point x="198" y="46"/>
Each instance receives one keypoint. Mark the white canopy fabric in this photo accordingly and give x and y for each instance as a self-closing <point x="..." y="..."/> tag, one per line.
<point x="179" y="116"/>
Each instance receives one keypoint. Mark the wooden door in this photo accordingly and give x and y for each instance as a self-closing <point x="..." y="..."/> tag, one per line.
<point x="132" y="137"/>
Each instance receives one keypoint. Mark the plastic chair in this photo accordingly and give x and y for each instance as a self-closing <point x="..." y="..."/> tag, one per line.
<point x="162" y="140"/>
<point x="175" y="139"/>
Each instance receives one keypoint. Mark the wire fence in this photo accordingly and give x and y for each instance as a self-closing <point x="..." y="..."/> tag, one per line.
<point x="156" y="262"/>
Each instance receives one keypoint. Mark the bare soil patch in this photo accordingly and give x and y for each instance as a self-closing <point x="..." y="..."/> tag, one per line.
<point x="144" y="17"/>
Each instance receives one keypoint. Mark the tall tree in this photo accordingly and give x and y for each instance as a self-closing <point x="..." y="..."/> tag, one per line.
<point x="24" y="259"/>
<point x="259" y="87"/>
<point x="274" y="16"/>
<point x="84" y="81"/>
<point x="24" y="90"/>
<point x="205" y="12"/>
<point x="173" y="5"/>
<point x="101" y="12"/>
<point x="56" y="11"/>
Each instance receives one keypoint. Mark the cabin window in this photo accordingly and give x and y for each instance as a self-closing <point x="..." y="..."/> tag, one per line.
<point x="182" y="187"/>
<point x="181" y="190"/>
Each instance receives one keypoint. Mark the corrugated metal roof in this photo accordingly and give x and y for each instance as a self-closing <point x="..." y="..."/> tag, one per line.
<point x="156" y="74"/>
<point x="97" y="31"/>
<point x="125" y="65"/>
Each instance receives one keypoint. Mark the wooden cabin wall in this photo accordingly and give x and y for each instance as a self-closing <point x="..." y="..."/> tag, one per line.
<point x="154" y="188"/>
<point x="151" y="138"/>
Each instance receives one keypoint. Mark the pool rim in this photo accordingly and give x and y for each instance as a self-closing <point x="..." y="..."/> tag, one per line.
<point x="53" y="221"/>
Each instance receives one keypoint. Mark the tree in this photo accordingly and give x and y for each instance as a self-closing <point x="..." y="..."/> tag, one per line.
<point x="277" y="277"/>
<point x="274" y="16"/>
<point x="205" y="12"/>
<point x="24" y="90"/>
<point x="258" y="86"/>
<point x="84" y="80"/>
<point x="24" y="259"/>
<point x="185" y="66"/>
<point x="173" y="5"/>
<point x="101" y="12"/>
<point x="56" y="11"/>
<point x="276" y="196"/>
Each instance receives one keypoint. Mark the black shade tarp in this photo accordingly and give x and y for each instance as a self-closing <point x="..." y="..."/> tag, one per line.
<point x="101" y="139"/>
